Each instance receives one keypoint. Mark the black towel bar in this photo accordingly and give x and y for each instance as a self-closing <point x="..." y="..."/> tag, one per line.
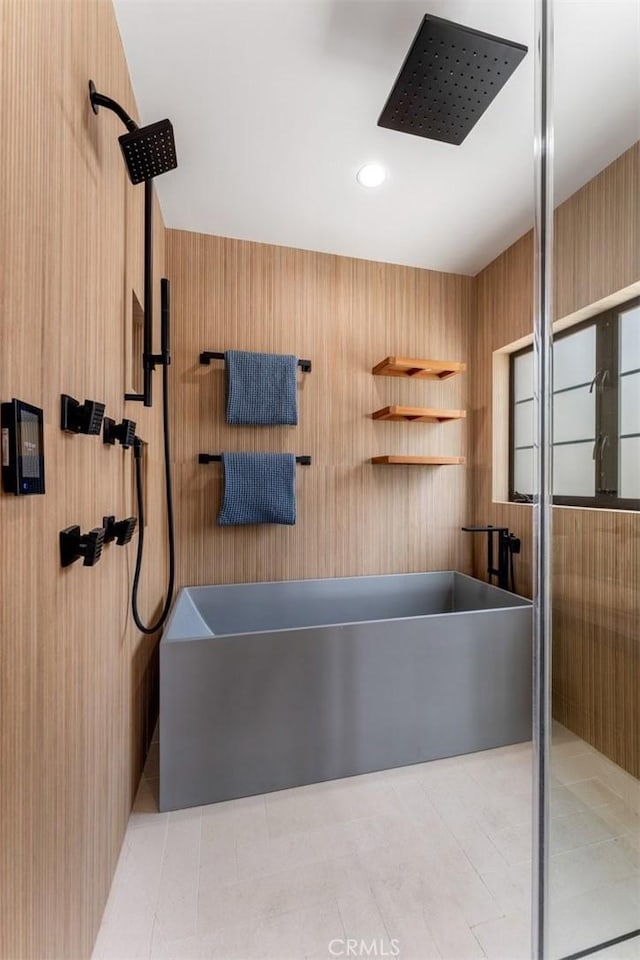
<point x="207" y="356"/>
<point x="217" y="458"/>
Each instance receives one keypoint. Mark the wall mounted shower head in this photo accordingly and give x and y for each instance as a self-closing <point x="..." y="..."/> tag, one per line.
<point x="148" y="151"/>
<point x="448" y="79"/>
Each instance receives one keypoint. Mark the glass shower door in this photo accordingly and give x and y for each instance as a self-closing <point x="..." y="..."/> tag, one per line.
<point x="589" y="552"/>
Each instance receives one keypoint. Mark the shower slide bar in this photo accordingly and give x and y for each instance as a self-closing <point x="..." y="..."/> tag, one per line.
<point x="217" y="458"/>
<point x="207" y="356"/>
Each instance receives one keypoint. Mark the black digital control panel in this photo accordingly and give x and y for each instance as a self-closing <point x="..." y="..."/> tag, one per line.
<point x="22" y="448"/>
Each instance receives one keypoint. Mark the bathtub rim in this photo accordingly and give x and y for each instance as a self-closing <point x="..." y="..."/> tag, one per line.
<point x="524" y="604"/>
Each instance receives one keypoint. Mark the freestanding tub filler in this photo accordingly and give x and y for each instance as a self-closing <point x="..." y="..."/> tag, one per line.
<point x="271" y="685"/>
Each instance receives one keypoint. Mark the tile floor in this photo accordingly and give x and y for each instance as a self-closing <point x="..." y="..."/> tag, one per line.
<point x="434" y="856"/>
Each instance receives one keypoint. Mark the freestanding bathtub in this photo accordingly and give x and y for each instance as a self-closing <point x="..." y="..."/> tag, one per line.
<point x="271" y="685"/>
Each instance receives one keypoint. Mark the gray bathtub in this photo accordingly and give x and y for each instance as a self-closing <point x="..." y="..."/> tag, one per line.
<point x="271" y="685"/>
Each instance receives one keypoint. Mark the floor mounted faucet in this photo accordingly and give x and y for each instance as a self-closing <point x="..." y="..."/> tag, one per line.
<point x="508" y="544"/>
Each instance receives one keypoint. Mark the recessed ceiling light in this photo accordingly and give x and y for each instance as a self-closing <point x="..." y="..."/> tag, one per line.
<point x="371" y="175"/>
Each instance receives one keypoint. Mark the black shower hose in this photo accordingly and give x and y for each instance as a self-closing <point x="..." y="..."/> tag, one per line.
<point x="137" y="453"/>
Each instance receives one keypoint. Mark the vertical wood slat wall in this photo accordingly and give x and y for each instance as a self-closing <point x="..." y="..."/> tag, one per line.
<point x="74" y="673"/>
<point x="345" y="315"/>
<point x="596" y="553"/>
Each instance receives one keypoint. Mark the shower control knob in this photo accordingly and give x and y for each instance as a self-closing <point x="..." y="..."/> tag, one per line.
<point x="123" y="432"/>
<point x="119" y="530"/>
<point x="78" y="417"/>
<point x="74" y="544"/>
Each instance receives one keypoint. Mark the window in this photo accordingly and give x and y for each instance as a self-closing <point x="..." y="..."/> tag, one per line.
<point x="596" y="414"/>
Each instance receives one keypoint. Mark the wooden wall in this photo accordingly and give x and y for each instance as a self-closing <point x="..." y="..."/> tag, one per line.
<point x="74" y="674"/>
<point x="345" y="315"/>
<point x="596" y="554"/>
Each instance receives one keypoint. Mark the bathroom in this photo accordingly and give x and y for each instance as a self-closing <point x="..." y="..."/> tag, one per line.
<point x="350" y="732"/>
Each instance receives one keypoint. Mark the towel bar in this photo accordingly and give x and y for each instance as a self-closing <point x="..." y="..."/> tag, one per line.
<point x="207" y="356"/>
<point x="217" y="458"/>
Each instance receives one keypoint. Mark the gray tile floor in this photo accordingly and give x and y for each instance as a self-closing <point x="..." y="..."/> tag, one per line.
<point x="435" y="857"/>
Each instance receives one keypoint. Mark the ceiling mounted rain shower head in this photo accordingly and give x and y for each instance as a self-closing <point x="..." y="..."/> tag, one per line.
<point x="448" y="79"/>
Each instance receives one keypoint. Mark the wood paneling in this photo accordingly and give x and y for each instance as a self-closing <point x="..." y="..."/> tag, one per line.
<point x="74" y="674"/>
<point x="598" y="236"/>
<point x="353" y="517"/>
<point x="596" y="554"/>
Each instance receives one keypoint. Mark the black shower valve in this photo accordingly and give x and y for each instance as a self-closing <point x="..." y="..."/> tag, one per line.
<point x="123" y="432"/>
<point x="119" y="530"/>
<point x="78" y="417"/>
<point x="74" y="544"/>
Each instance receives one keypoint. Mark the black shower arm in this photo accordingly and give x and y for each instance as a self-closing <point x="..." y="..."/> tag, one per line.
<point x="149" y="360"/>
<point x="101" y="100"/>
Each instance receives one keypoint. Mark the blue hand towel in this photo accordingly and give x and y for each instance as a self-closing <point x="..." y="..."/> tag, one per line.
<point x="261" y="388"/>
<point x="258" y="488"/>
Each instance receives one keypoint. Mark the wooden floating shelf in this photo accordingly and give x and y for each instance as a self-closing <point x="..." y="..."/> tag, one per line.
<point x="418" y="369"/>
<point x="420" y="461"/>
<point x="418" y="414"/>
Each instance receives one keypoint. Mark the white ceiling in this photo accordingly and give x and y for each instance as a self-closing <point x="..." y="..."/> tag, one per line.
<point x="275" y="103"/>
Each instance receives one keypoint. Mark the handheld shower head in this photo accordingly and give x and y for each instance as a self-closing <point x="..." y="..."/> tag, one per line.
<point x="148" y="151"/>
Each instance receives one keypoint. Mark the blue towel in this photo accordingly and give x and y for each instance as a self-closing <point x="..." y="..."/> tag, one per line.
<point x="258" y="488"/>
<point x="261" y="388"/>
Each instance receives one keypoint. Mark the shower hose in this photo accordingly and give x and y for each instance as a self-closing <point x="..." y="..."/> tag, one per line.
<point x="137" y="453"/>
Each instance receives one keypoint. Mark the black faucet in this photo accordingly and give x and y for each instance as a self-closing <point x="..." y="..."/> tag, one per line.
<point x="508" y="544"/>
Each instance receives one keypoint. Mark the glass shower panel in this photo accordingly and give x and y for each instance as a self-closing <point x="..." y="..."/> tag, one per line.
<point x="594" y="787"/>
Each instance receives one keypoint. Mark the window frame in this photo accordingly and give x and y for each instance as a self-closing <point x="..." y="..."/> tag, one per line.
<point x="607" y="411"/>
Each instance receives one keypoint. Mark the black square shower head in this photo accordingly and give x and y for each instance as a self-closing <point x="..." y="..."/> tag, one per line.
<point x="448" y="79"/>
<point x="149" y="151"/>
